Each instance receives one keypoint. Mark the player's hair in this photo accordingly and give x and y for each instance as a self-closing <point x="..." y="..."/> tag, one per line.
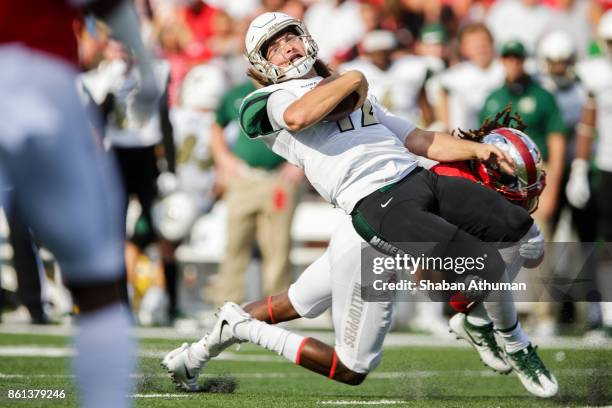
<point x="319" y="66"/>
<point x="473" y="28"/>
<point x="503" y="118"/>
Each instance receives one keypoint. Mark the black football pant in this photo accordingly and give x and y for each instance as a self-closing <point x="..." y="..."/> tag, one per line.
<point x="461" y="217"/>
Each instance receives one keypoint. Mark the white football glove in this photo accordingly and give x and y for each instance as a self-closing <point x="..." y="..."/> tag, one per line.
<point x="577" y="188"/>
<point x="533" y="248"/>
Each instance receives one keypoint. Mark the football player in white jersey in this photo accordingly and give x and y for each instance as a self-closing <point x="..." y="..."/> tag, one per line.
<point x="596" y="74"/>
<point x="364" y="160"/>
<point x="188" y="192"/>
<point x="187" y="188"/>
<point x="398" y="85"/>
<point x="334" y="280"/>
<point x="359" y="162"/>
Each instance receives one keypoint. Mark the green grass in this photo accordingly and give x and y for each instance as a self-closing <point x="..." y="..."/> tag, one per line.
<point x="420" y="376"/>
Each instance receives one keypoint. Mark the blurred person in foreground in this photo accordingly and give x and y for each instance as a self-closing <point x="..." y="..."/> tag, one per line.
<point x="596" y="119"/>
<point x="261" y="191"/>
<point x="50" y="155"/>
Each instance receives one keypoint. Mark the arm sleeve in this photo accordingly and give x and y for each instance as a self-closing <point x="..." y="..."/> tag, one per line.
<point x="278" y="103"/>
<point x="399" y="126"/>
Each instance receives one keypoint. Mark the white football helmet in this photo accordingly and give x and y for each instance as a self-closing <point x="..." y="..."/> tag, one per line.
<point x="604" y="31"/>
<point x="174" y="215"/>
<point x="203" y="87"/>
<point x="555" y="47"/>
<point x="264" y="28"/>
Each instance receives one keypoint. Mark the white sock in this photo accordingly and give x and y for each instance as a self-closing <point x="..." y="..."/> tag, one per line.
<point x="272" y="338"/>
<point x="478" y="316"/>
<point x="502" y="311"/>
<point x="105" y="357"/>
<point x="514" y="338"/>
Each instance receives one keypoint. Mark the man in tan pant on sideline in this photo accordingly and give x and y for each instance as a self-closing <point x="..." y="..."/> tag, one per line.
<point x="261" y="194"/>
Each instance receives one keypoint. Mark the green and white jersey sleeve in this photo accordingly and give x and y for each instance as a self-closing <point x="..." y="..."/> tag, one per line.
<point x="344" y="160"/>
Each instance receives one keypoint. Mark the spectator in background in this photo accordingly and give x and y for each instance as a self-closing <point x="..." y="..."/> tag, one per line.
<point x="574" y="18"/>
<point x="413" y="15"/>
<point x="174" y="38"/>
<point x="335" y="25"/>
<point x="398" y="85"/>
<point x="199" y="17"/>
<point x="261" y="194"/>
<point x="523" y="20"/>
<point x="465" y="86"/>
<point x="543" y="119"/>
<point x="432" y="46"/>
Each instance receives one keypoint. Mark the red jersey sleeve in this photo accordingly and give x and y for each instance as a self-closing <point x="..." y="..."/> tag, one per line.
<point x="456" y="169"/>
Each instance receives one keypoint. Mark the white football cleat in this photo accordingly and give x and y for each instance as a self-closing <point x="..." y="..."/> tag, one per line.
<point x="483" y="341"/>
<point x="183" y="370"/>
<point x="532" y="372"/>
<point x="222" y="335"/>
<point x="183" y="365"/>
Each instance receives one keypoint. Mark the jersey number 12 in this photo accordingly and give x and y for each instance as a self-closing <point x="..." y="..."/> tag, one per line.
<point x="367" y="118"/>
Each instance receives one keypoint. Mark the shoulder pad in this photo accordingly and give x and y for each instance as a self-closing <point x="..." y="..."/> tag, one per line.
<point x="254" y="120"/>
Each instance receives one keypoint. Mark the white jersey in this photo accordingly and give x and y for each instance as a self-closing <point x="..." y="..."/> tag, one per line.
<point x="512" y="20"/>
<point x="571" y="100"/>
<point x="194" y="162"/>
<point x="596" y="74"/>
<point x="397" y="88"/>
<point x="468" y="87"/>
<point x="344" y="161"/>
<point x="122" y="130"/>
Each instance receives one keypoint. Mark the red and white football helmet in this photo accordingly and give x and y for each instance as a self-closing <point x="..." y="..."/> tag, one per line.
<point x="526" y="185"/>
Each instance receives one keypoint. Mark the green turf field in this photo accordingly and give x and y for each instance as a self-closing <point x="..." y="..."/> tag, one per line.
<point x="407" y="376"/>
